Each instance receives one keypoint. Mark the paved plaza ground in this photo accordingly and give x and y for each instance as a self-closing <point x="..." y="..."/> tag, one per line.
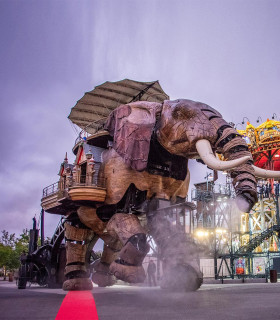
<point x="213" y="301"/>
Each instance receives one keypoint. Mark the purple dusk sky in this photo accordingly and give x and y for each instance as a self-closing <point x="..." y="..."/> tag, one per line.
<point x="224" y="53"/>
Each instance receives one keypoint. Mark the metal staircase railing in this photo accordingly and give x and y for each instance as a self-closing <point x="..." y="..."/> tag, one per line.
<point x="59" y="229"/>
<point x="256" y="241"/>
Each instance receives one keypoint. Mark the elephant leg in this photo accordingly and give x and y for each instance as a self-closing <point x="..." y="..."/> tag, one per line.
<point x="89" y="218"/>
<point x="128" y="267"/>
<point x="181" y="269"/>
<point x="77" y="240"/>
<point x="102" y="275"/>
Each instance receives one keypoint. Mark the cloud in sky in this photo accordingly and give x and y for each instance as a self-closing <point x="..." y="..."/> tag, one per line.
<point x="225" y="54"/>
<point x="46" y="63"/>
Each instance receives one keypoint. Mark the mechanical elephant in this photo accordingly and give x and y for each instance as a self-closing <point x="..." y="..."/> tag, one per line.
<point x="148" y="160"/>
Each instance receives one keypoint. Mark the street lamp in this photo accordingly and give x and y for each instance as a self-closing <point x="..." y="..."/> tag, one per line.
<point x="209" y="176"/>
<point x="244" y="121"/>
<point x="259" y="120"/>
<point x="273" y="117"/>
<point x="201" y="233"/>
<point x="235" y="126"/>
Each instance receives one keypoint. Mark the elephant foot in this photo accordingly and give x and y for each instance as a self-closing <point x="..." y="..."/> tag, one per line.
<point x="102" y="276"/>
<point x="77" y="284"/>
<point x="128" y="273"/>
<point x="129" y="265"/>
<point x="103" y="280"/>
<point x="181" y="278"/>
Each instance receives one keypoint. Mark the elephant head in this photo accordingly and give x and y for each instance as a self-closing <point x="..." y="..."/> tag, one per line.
<point x="188" y="129"/>
<point x="194" y="129"/>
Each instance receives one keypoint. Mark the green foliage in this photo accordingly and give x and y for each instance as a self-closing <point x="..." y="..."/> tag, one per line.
<point x="5" y="252"/>
<point x="8" y="239"/>
<point x="11" y="248"/>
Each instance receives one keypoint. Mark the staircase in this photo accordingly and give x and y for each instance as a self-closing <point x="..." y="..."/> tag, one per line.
<point x="256" y="241"/>
<point x="59" y="229"/>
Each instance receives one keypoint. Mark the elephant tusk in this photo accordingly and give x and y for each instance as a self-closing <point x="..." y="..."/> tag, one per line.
<point x="205" y="152"/>
<point x="267" y="174"/>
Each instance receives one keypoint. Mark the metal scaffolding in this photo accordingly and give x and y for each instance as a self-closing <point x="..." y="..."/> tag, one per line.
<point x="231" y="237"/>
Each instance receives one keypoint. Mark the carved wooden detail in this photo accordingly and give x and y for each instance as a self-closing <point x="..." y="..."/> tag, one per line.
<point x="74" y="268"/>
<point x="87" y="193"/>
<point x="89" y="218"/>
<point x="108" y="255"/>
<point x="131" y="274"/>
<point x="50" y="202"/>
<point x="77" y="234"/>
<point x="182" y="123"/>
<point x="77" y="284"/>
<point x="123" y="226"/>
<point x="119" y="176"/>
<point x="132" y="125"/>
<point x="75" y="252"/>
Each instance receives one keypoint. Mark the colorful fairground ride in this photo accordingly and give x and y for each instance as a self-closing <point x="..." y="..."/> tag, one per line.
<point x="261" y="227"/>
<point x="246" y="244"/>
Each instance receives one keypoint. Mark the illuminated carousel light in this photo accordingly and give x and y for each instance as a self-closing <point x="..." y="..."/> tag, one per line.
<point x="264" y="142"/>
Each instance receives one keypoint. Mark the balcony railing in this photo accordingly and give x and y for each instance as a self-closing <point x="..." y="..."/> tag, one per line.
<point x="83" y="180"/>
<point x="51" y="189"/>
<point x="217" y="190"/>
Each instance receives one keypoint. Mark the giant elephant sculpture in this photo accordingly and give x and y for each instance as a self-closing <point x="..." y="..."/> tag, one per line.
<point x="147" y="161"/>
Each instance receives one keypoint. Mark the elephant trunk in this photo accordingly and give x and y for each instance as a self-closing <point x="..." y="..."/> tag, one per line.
<point x="232" y="146"/>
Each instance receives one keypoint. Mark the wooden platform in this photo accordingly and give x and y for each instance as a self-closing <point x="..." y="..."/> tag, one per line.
<point x="87" y="193"/>
<point x="63" y="202"/>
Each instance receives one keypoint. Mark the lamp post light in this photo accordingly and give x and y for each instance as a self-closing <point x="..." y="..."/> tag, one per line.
<point x="274" y="116"/>
<point x="244" y="121"/>
<point x="239" y="123"/>
<point x="259" y="120"/>
<point x="208" y="176"/>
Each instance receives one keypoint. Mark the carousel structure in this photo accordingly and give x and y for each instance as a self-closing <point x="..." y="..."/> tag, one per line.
<point x="261" y="225"/>
<point x="243" y="244"/>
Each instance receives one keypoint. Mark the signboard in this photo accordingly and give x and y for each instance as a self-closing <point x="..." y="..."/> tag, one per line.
<point x="240" y="266"/>
<point x="259" y="265"/>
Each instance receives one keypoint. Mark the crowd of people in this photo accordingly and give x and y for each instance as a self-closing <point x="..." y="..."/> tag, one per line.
<point x="265" y="189"/>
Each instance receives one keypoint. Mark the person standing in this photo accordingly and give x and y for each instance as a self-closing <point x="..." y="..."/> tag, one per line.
<point x="277" y="189"/>
<point x="266" y="191"/>
<point x="260" y="190"/>
<point x="151" y="271"/>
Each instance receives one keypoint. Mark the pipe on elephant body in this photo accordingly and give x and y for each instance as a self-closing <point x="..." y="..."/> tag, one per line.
<point x="205" y="151"/>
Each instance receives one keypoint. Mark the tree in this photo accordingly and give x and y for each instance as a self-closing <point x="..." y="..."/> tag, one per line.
<point x="11" y="249"/>
<point x="8" y="239"/>
<point x="5" y="252"/>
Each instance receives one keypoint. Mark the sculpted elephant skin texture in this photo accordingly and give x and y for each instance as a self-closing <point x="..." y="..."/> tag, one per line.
<point x="146" y="133"/>
<point x="147" y="162"/>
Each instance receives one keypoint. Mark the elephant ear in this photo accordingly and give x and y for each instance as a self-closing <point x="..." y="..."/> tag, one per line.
<point x="131" y="126"/>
